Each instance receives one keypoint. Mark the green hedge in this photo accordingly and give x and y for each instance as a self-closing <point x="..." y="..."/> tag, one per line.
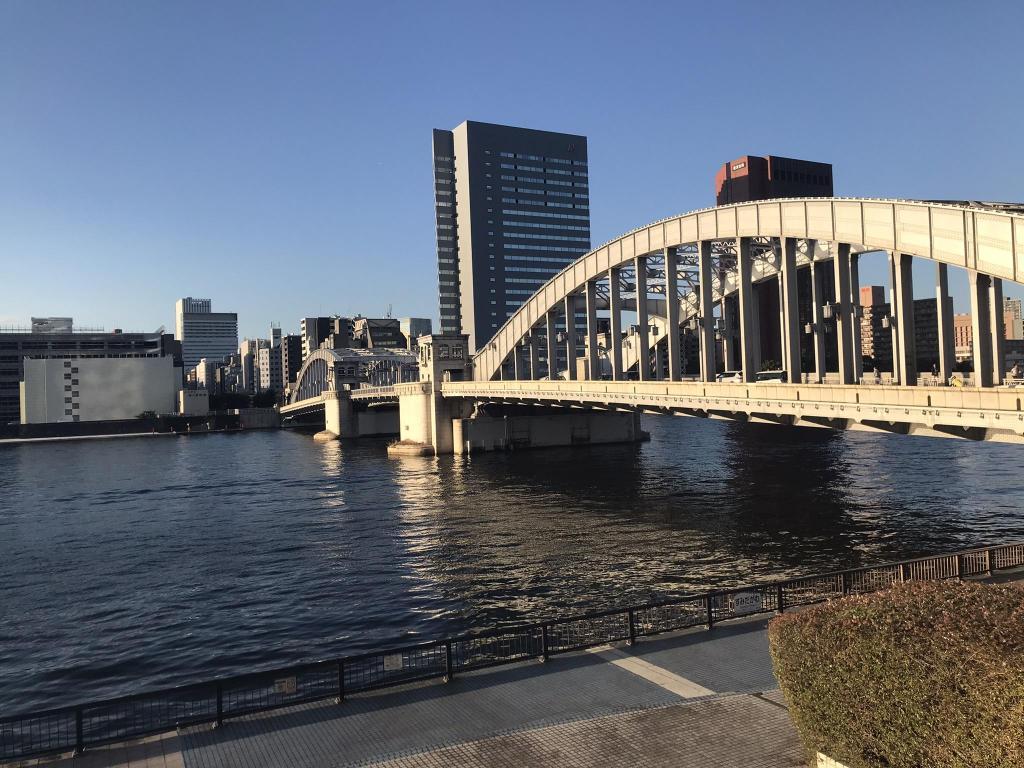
<point x="922" y="675"/>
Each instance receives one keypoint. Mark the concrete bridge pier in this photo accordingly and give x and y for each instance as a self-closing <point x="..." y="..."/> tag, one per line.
<point x="524" y="427"/>
<point x="431" y="424"/>
<point x="425" y="420"/>
<point x="339" y="416"/>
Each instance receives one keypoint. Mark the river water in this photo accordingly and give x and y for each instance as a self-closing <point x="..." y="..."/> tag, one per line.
<point x="132" y="564"/>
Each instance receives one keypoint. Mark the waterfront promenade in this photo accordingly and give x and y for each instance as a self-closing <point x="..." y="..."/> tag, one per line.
<point x="694" y="698"/>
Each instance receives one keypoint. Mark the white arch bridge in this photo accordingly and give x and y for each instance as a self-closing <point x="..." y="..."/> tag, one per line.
<point x="738" y="285"/>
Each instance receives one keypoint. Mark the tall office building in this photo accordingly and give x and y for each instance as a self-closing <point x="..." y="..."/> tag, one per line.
<point x="291" y="357"/>
<point x="316" y="330"/>
<point x="1013" y="318"/>
<point x="268" y="361"/>
<point x="513" y="209"/>
<point x="764" y="178"/>
<point x="203" y="332"/>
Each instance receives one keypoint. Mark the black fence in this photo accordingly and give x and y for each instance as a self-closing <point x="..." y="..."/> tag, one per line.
<point x="87" y="725"/>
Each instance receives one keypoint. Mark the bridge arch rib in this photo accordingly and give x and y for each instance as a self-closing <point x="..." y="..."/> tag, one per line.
<point x="315" y="376"/>
<point x="985" y="239"/>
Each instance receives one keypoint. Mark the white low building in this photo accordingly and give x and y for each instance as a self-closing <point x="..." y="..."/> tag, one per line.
<point x="193" y="402"/>
<point x="97" y="389"/>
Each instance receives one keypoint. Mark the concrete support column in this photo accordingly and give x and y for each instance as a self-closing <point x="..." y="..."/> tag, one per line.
<point x="672" y="312"/>
<point x="790" y="310"/>
<point x="593" y="359"/>
<point x="570" y="337"/>
<point x="552" y="345"/>
<point x="643" y="360"/>
<point x="339" y="414"/>
<point x="706" y="329"/>
<point x="995" y="306"/>
<point x="755" y="325"/>
<point x="746" y="291"/>
<point x="518" y="367"/>
<point x="615" y="324"/>
<point x="981" y="327"/>
<point x="894" y="321"/>
<point x="944" y="310"/>
<point x="844" y="314"/>
<point x="818" y="321"/>
<point x="904" y="283"/>
<point x="533" y="350"/>
<point x="783" y="351"/>
<point x="728" y="353"/>
<point x="858" y="345"/>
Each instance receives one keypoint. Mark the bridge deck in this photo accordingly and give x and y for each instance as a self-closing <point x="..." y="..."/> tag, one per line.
<point x="989" y="413"/>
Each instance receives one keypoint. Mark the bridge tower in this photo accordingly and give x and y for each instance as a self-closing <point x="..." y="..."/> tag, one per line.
<point x="425" y="417"/>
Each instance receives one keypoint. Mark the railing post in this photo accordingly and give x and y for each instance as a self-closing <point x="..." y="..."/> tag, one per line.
<point x="220" y="705"/>
<point x="448" y="671"/>
<point x="903" y="572"/>
<point x="341" y="680"/>
<point x="844" y="582"/>
<point x="544" y="643"/>
<point x="79" y="734"/>
<point x="632" y="627"/>
<point x="988" y="562"/>
<point x="711" y="611"/>
<point x="779" y="598"/>
<point x="958" y="567"/>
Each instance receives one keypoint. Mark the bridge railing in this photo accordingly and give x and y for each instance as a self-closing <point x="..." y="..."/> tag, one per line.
<point x="76" y="728"/>
<point x="386" y="390"/>
<point x="991" y="399"/>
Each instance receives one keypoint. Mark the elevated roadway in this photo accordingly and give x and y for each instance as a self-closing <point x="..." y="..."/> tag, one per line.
<point x="974" y="414"/>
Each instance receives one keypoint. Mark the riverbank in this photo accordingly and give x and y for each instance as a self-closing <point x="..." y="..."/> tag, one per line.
<point x="318" y="550"/>
<point x="73" y="438"/>
<point x="685" y="699"/>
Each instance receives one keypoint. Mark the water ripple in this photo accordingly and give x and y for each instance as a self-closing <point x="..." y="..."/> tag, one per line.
<point x="135" y="564"/>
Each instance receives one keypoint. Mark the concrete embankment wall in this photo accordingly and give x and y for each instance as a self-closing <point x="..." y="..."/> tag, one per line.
<point x="540" y="430"/>
<point x="377" y="421"/>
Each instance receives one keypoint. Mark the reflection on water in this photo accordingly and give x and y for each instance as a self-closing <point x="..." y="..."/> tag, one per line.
<point x="151" y="562"/>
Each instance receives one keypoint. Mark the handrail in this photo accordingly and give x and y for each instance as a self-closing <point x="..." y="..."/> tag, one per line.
<point x="215" y="700"/>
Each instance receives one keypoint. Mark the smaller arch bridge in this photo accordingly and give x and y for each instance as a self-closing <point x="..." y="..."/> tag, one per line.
<point x="336" y="369"/>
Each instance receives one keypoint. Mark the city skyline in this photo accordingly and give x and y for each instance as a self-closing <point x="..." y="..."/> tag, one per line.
<point x="272" y="198"/>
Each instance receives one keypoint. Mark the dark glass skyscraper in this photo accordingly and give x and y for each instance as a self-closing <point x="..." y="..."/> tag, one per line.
<point x="513" y="208"/>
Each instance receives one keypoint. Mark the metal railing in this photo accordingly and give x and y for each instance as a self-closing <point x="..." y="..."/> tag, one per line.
<point x="78" y="727"/>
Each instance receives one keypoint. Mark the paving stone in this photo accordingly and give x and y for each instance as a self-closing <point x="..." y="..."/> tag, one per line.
<point x="732" y="730"/>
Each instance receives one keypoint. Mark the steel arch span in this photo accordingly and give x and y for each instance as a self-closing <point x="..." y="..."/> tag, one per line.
<point x="333" y="369"/>
<point x="750" y="242"/>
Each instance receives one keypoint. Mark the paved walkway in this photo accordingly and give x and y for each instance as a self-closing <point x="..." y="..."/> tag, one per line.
<point x="162" y="751"/>
<point x="657" y="703"/>
<point x="735" y="731"/>
<point x="696" y="698"/>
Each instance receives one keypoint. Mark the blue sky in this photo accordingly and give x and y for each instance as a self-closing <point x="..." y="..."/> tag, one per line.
<point x="275" y="157"/>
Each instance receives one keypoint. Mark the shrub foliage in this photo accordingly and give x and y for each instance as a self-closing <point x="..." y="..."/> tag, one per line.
<point x="922" y="675"/>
